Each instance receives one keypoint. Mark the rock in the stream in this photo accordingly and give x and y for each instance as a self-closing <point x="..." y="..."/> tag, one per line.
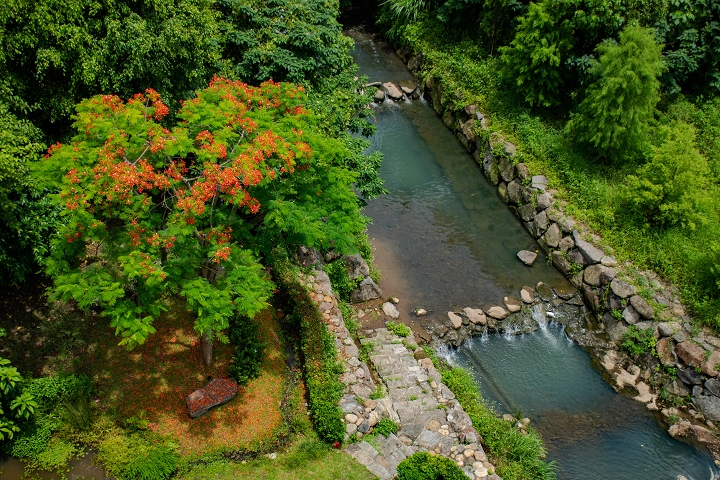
<point x="513" y="304"/>
<point x="527" y="294"/>
<point x="379" y="96"/>
<point x="475" y="315"/>
<point x="455" y="320"/>
<point x="497" y="313"/>
<point x="408" y="87"/>
<point x="544" y="291"/>
<point x="216" y="392"/>
<point x="390" y="310"/>
<point x="527" y="257"/>
<point x="392" y="91"/>
<point x="366" y="290"/>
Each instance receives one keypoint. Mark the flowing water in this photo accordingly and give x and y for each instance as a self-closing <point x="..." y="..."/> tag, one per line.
<point x="444" y="239"/>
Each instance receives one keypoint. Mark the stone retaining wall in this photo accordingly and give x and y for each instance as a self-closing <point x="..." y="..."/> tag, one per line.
<point x="612" y="292"/>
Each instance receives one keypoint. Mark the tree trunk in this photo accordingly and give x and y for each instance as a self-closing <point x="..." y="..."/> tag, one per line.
<point x="206" y="347"/>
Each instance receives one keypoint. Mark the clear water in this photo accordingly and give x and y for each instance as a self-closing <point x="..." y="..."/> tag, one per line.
<point x="443" y="239"/>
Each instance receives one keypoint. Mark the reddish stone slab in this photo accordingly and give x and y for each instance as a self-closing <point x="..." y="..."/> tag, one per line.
<point x="216" y="392"/>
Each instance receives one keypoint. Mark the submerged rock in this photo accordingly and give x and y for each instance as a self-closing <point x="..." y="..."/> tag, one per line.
<point x="527" y="257"/>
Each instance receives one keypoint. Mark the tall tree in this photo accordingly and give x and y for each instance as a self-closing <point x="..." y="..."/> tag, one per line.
<point x="153" y="212"/>
<point x="618" y="107"/>
<point x="533" y="62"/>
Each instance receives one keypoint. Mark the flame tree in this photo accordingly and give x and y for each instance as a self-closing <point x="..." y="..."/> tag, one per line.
<point x="154" y="210"/>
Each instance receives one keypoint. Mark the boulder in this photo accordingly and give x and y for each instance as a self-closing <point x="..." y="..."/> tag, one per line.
<point x="576" y="257"/>
<point x="506" y="169"/>
<point x="527" y="257"/>
<point x="567" y="224"/>
<point x="356" y="266"/>
<point x="497" y="313"/>
<point x="609" y="261"/>
<point x="307" y="257"/>
<point x="527" y="294"/>
<point x="513" y="192"/>
<point x="591" y="275"/>
<point x="709" y="405"/>
<point x="630" y="315"/>
<point x="689" y="376"/>
<point x="543" y="201"/>
<point x="366" y="290"/>
<point x="415" y="63"/>
<point x="607" y="275"/>
<point x="527" y="212"/>
<point x="522" y="171"/>
<point x="503" y="192"/>
<point x="712" y="385"/>
<point x="392" y="91"/>
<point x="475" y="315"/>
<point x="541" y="223"/>
<point x="408" y="87"/>
<point x="668" y="329"/>
<point x="379" y="96"/>
<point x="509" y="150"/>
<point x="622" y="289"/>
<point x="553" y="235"/>
<point x="709" y="366"/>
<point x="513" y="304"/>
<point x="540" y="182"/>
<point x="216" y="392"/>
<point x="593" y="298"/>
<point x="455" y="320"/>
<point x="591" y="253"/>
<point x="665" y="349"/>
<point x="449" y="119"/>
<point x="566" y="244"/>
<point x="390" y="310"/>
<point x="691" y="354"/>
<point x="642" y="307"/>
<point x="692" y="432"/>
<point x="676" y="387"/>
<point x="544" y="291"/>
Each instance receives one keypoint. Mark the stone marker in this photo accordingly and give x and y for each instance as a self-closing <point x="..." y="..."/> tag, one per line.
<point x="527" y="257"/>
<point x="216" y="392"/>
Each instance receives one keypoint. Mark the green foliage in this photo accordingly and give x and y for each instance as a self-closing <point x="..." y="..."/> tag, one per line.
<point x="17" y="403"/>
<point x="637" y="341"/>
<point x="385" y="427"/>
<point x="308" y="450"/>
<point x="423" y="466"/>
<point x="342" y="284"/>
<point x="322" y="366"/>
<point x="295" y="41"/>
<point x="56" y="53"/>
<point x="56" y="456"/>
<point x="534" y="60"/>
<point x="138" y="457"/>
<point x="670" y="188"/>
<point x="616" y="113"/>
<point x="248" y="350"/>
<point x="399" y="329"/>
<point x="378" y="393"/>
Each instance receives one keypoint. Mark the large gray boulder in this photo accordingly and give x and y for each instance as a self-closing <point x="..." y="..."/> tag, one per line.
<point x="642" y="306"/>
<point x="392" y="91"/>
<point x="307" y="257"/>
<point x="709" y="405"/>
<point x="622" y="289"/>
<point x="379" y="96"/>
<point x="591" y="253"/>
<point x="553" y="235"/>
<point x="366" y="290"/>
<point x="527" y="257"/>
<point x="356" y="266"/>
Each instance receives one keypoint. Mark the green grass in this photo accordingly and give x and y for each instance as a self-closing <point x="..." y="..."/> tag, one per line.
<point x="593" y="192"/>
<point x="307" y="459"/>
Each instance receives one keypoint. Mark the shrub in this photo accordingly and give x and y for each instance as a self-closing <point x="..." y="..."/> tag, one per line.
<point x="341" y="281"/>
<point x="637" y="341"/>
<point x="399" y="329"/>
<point x="322" y="367"/>
<point x="138" y="457"/>
<point x="248" y="350"/>
<point x="385" y="427"/>
<point x="423" y="466"/>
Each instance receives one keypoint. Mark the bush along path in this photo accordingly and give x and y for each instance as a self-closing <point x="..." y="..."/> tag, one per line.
<point x="646" y="342"/>
<point x="405" y="409"/>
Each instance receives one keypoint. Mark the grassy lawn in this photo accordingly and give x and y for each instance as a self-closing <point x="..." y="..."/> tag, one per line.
<point x="307" y="459"/>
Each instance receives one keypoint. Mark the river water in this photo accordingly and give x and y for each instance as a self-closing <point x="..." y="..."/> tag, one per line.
<point x="443" y="239"/>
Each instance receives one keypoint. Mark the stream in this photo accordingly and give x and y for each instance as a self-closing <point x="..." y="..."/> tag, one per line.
<point x="443" y="239"/>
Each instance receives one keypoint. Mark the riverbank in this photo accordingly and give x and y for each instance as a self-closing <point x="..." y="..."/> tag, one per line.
<point x="622" y="301"/>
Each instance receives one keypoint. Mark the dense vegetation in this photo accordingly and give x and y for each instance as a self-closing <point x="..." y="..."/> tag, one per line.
<point x="190" y="141"/>
<point x="615" y="101"/>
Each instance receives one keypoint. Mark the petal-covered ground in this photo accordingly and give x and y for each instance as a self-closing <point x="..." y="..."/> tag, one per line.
<point x="155" y="378"/>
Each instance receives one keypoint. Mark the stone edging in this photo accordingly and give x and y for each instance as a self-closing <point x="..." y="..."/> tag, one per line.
<point x="429" y="417"/>
<point x="600" y="279"/>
